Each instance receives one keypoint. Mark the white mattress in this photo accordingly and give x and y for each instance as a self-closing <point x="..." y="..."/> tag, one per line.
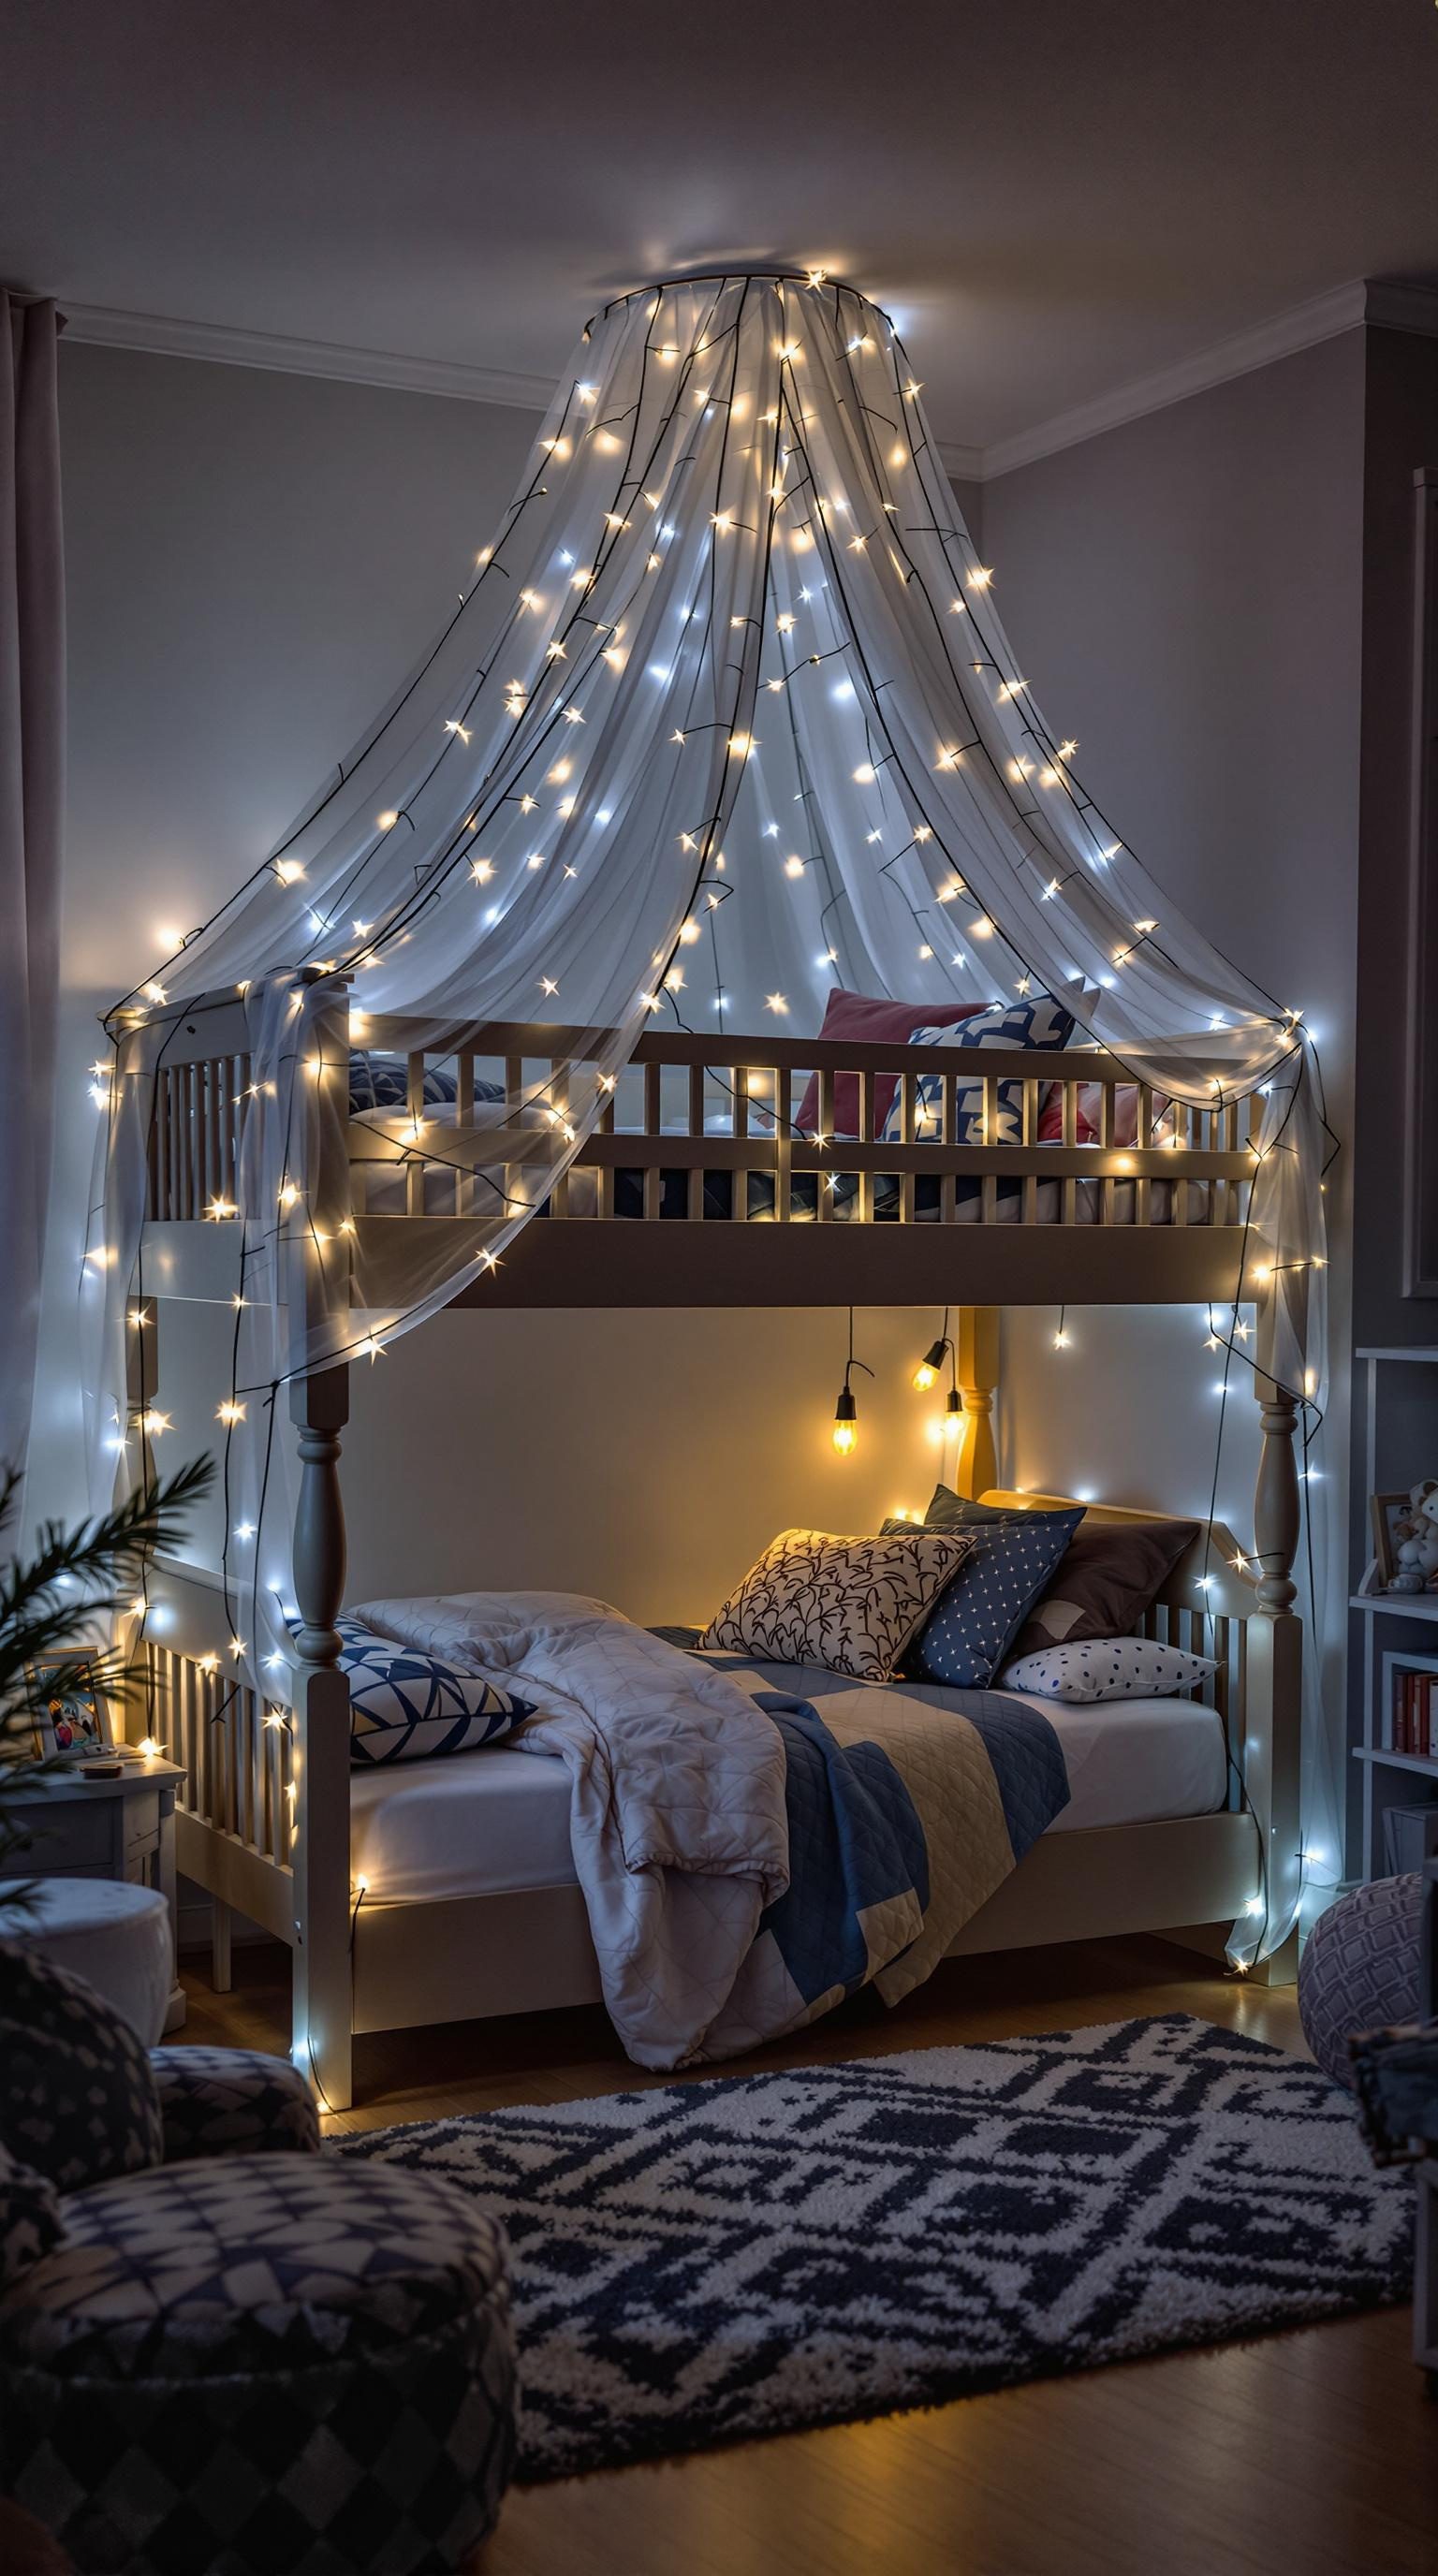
<point x="482" y="1823"/>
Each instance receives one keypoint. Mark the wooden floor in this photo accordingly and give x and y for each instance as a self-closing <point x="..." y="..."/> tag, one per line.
<point x="1311" y="2453"/>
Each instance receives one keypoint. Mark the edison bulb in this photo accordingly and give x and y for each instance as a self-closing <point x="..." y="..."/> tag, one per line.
<point x="924" y="1377"/>
<point x="845" y="1436"/>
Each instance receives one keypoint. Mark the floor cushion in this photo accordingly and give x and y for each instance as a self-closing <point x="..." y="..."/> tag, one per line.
<point x="78" y="2101"/>
<point x="232" y="2102"/>
<point x="1359" y="1969"/>
<point x="264" y="2361"/>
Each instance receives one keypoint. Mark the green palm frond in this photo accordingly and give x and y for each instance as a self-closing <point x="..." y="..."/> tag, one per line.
<point x="59" y="1600"/>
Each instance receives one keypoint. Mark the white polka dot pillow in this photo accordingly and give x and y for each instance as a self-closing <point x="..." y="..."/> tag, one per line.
<point x="405" y="1706"/>
<point x="1108" y="1668"/>
<point x="848" y="1604"/>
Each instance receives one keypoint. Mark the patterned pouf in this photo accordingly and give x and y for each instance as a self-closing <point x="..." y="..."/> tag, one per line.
<point x="1359" y="1969"/>
<point x="262" y="2365"/>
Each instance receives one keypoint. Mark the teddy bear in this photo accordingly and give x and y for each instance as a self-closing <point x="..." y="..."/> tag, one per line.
<point x="1416" y="1531"/>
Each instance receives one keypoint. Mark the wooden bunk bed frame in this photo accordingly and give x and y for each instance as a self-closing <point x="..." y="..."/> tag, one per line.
<point x="262" y="1820"/>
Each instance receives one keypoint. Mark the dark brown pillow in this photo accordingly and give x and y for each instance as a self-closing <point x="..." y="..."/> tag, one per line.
<point x="1109" y="1575"/>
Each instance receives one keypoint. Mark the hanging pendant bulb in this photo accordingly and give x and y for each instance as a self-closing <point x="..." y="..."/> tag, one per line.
<point x="846" y="1411"/>
<point x="953" y="1409"/>
<point x="927" y="1372"/>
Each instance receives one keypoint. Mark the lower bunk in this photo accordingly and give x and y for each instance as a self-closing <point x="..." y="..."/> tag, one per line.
<point x="462" y="1878"/>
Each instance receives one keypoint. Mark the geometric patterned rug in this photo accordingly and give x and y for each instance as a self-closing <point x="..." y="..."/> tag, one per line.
<point x="704" y="2261"/>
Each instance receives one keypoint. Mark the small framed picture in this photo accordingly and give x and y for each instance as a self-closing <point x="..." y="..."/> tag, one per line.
<point x="1386" y="1509"/>
<point x="70" y="1711"/>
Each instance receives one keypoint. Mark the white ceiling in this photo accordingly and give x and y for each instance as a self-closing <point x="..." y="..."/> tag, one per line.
<point x="1054" y="198"/>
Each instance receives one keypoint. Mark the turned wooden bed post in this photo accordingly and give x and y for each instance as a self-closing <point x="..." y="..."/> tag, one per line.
<point x="1273" y="1754"/>
<point x="976" y="1356"/>
<point x="319" y="1407"/>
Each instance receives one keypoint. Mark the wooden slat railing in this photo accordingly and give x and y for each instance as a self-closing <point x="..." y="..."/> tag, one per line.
<point x="687" y="1110"/>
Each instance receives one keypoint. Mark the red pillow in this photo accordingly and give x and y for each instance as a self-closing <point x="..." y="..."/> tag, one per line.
<point x="858" y="1015"/>
<point x="1090" y="1112"/>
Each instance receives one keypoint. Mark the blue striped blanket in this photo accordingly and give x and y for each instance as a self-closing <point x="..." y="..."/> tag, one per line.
<point x="907" y="1806"/>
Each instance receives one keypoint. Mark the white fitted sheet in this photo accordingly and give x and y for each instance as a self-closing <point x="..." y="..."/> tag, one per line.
<point x="476" y="1824"/>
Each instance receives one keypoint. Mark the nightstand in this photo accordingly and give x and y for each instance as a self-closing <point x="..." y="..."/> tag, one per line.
<point x="124" y="1828"/>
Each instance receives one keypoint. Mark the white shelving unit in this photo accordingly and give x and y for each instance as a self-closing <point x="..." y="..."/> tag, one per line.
<point x="1384" y="1616"/>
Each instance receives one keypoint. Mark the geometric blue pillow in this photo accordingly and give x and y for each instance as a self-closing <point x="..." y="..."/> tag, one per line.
<point x="406" y="1706"/>
<point x="1038" y="1022"/>
<point x="1013" y="1560"/>
<point x="382" y="1082"/>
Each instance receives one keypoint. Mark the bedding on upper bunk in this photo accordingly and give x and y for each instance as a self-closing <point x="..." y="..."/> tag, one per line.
<point x="746" y="1860"/>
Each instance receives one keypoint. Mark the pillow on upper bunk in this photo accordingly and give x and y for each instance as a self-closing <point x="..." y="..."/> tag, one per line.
<point x="848" y="1604"/>
<point x="1039" y="1022"/>
<point x="1109" y="1668"/>
<point x="860" y="1015"/>
<point x="1113" y="1573"/>
<point x="379" y="1081"/>
<point x="1013" y="1557"/>
<point x="405" y="1706"/>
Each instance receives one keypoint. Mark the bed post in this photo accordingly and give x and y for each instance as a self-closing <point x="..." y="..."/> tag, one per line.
<point x="319" y="1407"/>
<point x="1275" y="1670"/>
<point x="976" y="1356"/>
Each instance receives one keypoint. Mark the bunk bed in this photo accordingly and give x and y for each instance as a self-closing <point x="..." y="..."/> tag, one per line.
<point x="264" y="1811"/>
<point x="728" y="691"/>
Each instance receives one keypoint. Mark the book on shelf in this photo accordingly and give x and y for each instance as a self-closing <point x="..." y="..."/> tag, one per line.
<point x="1412" y="1715"/>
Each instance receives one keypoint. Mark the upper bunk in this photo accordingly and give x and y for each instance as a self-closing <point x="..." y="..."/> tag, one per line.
<point x="764" y="1171"/>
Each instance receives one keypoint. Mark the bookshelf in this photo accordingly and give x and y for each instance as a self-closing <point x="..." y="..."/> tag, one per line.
<point x="1398" y="1632"/>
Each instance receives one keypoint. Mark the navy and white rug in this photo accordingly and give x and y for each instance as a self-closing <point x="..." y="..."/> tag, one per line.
<point x="702" y="2261"/>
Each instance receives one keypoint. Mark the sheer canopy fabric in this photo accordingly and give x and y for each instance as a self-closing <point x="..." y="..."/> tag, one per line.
<point x="727" y="715"/>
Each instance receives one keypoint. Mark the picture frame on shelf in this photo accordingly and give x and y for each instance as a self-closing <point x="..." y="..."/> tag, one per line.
<point x="1384" y="1510"/>
<point x="71" y="1712"/>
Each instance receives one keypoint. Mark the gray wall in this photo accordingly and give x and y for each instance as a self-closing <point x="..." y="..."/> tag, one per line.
<point x="1186" y="592"/>
<point x="251" y="561"/>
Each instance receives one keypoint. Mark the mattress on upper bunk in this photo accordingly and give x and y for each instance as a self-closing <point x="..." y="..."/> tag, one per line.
<point x="495" y="1821"/>
<point x="386" y="1195"/>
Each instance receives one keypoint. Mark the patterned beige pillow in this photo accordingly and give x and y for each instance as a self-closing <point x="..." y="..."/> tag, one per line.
<point x="850" y="1604"/>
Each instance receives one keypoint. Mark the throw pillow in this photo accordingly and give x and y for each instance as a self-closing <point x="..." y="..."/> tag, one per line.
<point x="1113" y="1573"/>
<point x="405" y="1706"/>
<point x="1040" y="1023"/>
<point x="1109" y="1668"/>
<point x="848" y="1604"/>
<point x="859" y="1015"/>
<point x="77" y="2098"/>
<point x="1013" y="1558"/>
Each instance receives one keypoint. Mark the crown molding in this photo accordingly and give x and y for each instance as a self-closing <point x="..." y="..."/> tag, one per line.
<point x="160" y="336"/>
<point x="1394" y="306"/>
<point x="962" y="464"/>
<point x="1388" y="305"/>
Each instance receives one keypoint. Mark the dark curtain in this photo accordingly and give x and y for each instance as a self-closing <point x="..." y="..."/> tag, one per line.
<point x="32" y="762"/>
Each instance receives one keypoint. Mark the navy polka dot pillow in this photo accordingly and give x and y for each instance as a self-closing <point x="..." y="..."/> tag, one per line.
<point x="1011" y="1563"/>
